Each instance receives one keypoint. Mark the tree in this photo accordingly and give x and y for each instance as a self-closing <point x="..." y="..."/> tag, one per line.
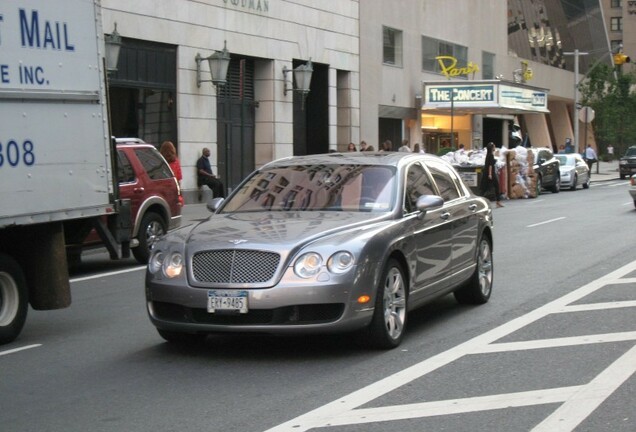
<point x="612" y="96"/>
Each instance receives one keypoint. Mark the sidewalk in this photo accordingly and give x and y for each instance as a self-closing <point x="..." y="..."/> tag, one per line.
<point x="603" y="171"/>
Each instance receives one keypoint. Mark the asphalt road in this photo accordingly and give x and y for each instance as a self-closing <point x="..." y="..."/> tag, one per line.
<point x="530" y="358"/>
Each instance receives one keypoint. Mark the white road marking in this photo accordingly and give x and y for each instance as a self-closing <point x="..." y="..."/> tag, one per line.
<point x="545" y="222"/>
<point x="579" y="401"/>
<point x="15" y="350"/>
<point x="590" y="396"/>
<point x="102" y="275"/>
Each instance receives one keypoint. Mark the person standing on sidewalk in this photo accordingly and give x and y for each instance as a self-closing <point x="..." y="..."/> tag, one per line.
<point x="489" y="176"/>
<point x="590" y="157"/>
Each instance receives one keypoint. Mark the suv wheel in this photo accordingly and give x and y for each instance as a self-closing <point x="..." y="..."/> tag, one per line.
<point x="152" y="227"/>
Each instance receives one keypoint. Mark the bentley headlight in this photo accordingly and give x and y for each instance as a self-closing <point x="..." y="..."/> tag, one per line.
<point x="156" y="261"/>
<point x="340" y="262"/>
<point x="308" y="265"/>
<point x="173" y="266"/>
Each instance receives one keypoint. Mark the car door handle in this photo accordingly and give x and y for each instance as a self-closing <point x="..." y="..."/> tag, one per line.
<point x="445" y="216"/>
<point x="472" y="207"/>
<point x="139" y="190"/>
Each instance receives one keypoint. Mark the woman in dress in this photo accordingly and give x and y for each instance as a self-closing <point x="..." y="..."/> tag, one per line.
<point x="489" y="176"/>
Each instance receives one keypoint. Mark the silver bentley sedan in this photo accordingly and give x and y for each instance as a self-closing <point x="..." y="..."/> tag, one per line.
<point x="339" y="242"/>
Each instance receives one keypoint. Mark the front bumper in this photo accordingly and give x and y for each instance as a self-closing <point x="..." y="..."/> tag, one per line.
<point x="288" y="308"/>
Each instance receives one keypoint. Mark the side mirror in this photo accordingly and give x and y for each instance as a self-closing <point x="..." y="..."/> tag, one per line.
<point x="426" y="203"/>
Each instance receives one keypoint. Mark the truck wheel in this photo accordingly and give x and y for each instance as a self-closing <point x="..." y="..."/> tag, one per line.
<point x="152" y="227"/>
<point x="14" y="300"/>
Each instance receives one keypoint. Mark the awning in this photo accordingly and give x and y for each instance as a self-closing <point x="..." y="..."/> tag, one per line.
<point x="484" y="97"/>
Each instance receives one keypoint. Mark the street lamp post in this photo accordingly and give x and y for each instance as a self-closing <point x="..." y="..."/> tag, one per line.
<point x="576" y="53"/>
<point x="575" y="107"/>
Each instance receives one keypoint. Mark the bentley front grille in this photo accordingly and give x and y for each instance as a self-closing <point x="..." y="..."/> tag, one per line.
<point x="232" y="266"/>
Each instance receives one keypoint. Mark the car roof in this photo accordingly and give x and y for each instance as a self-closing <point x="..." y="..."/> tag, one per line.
<point x="129" y="141"/>
<point x="356" y="158"/>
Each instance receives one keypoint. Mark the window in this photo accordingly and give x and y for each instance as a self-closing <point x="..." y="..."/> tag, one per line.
<point x="487" y="65"/>
<point x="615" y="45"/>
<point x="418" y="183"/>
<point x="391" y="46"/>
<point x="125" y="172"/>
<point x="444" y="179"/>
<point x="153" y="163"/>
<point x="616" y="3"/>
<point x="616" y="24"/>
<point x="431" y="48"/>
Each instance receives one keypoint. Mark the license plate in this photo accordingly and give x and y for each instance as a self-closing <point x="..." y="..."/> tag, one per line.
<point x="219" y="300"/>
<point x="470" y="178"/>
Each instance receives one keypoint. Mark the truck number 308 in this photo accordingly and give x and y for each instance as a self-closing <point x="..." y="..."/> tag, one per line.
<point x="14" y="153"/>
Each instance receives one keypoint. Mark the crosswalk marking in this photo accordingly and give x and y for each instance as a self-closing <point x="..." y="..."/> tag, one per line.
<point x="578" y="402"/>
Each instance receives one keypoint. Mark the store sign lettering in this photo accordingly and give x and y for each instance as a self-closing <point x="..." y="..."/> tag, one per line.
<point x="257" y="5"/>
<point x="448" y="67"/>
<point x="461" y="94"/>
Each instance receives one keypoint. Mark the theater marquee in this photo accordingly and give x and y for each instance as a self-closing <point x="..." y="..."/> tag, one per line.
<point x="485" y="97"/>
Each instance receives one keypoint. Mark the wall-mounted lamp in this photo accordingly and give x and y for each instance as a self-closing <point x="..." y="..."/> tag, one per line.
<point x="302" y="78"/>
<point x="218" y="63"/>
<point x="113" y="45"/>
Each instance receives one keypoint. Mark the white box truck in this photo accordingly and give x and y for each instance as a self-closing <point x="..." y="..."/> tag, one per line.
<point x="56" y="152"/>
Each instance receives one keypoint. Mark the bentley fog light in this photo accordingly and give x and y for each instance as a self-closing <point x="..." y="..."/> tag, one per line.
<point x="308" y="265"/>
<point x="340" y="262"/>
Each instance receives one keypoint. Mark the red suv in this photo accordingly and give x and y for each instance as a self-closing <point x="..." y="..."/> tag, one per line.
<point x="145" y="178"/>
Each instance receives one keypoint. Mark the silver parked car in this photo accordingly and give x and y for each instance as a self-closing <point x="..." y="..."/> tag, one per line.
<point x="325" y="243"/>
<point x="574" y="171"/>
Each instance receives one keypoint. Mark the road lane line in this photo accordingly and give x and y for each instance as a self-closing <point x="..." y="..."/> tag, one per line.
<point x="578" y="407"/>
<point x="101" y="275"/>
<point x="455" y="406"/>
<point x="557" y="342"/>
<point x="322" y="416"/>
<point x="598" y="306"/>
<point x="545" y="222"/>
<point x="15" y="350"/>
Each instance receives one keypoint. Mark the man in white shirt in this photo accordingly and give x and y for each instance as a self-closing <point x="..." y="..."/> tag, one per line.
<point x="590" y="156"/>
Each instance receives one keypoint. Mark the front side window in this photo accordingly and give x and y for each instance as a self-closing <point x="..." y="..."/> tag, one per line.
<point x="391" y="46"/>
<point x="445" y="180"/>
<point x="418" y="183"/>
<point x="347" y="187"/>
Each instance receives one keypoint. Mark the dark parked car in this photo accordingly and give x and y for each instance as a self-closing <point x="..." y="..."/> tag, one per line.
<point x="627" y="164"/>
<point x="146" y="180"/>
<point x="546" y="168"/>
<point x="325" y="243"/>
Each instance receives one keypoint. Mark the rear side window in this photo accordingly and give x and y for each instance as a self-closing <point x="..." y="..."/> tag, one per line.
<point x="125" y="172"/>
<point x="153" y="163"/>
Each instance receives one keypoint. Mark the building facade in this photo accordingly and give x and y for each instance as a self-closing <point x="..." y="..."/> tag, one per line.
<point x="509" y="47"/>
<point x="377" y="71"/>
<point x="255" y="117"/>
<point x="620" y="21"/>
